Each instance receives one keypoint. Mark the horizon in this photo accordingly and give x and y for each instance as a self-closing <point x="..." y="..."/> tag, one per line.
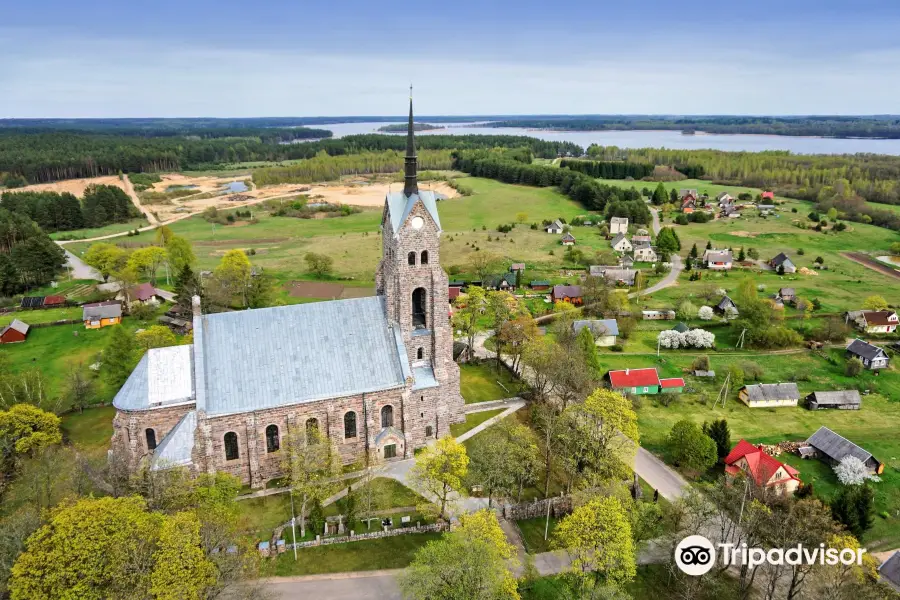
<point x="221" y="60"/>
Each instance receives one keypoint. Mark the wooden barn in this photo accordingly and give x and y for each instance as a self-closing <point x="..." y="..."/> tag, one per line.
<point x="16" y="331"/>
<point x="833" y="447"/>
<point x="840" y="399"/>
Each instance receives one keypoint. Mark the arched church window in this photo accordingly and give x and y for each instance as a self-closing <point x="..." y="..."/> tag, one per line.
<point x="411" y="258"/>
<point x="424" y="260"/>
<point x="387" y="416"/>
<point x="231" y="446"/>
<point x="151" y="439"/>
<point x="418" y="308"/>
<point x="273" y="442"/>
<point x="350" y="425"/>
<point x="429" y="431"/>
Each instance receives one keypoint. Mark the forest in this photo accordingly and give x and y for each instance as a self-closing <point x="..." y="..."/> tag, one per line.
<point x="325" y="168"/>
<point x="52" y="211"/>
<point x="56" y="155"/>
<point x="609" y="169"/>
<point x="28" y="257"/>
<point x="823" y="126"/>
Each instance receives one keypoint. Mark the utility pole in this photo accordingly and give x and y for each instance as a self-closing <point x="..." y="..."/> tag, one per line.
<point x="293" y="526"/>
<point x="723" y="392"/>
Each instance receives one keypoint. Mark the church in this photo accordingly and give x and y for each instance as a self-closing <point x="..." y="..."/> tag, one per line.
<point x="375" y="375"/>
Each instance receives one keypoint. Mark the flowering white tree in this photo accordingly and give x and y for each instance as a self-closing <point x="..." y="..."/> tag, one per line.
<point x="722" y="292"/>
<point x="699" y="338"/>
<point x="852" y="471"/>
<point x="671" y="339"/>
<point x="705" y="313"/>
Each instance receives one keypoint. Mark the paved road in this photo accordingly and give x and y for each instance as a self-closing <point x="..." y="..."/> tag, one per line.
<point x="671" y="277"/>
<point x="80" y="269"/>
<point x="347" y="586"/>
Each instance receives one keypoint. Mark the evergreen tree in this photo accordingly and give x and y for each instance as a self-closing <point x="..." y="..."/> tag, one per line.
<point x="720" y="433"/>
<point x="119" y="356"/>
<point x="659" y="195"/>
<point x="673" y="197"/>
<point x="709" y="245"/>
<point x="694" y="253"/>
<point x="852" y="506"/>
<point x="741" y="255"/>
<point x="589" y="349"/>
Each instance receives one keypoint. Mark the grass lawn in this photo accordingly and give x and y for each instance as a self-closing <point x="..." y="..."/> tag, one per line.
<point x="260" y="516"/>
<point x="473" y="420"/>
<point x="481" y="382"/>
<point x="533" y="534"/>
<point x="90" y="431"/>
<point x="369" y="555"/>
<point x="83" y="234"/>
<point x="47" y="315"/>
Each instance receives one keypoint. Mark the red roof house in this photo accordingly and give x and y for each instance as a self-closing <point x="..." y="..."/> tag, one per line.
<point x="767" y="195"/>
<point x="634" y="381"/>
<point x="672" y="384"/>
<point x="16" y="331"/>
<point x="767" y="471"/>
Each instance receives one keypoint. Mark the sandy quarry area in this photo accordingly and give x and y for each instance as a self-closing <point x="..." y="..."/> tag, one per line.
<point x="73" y="186"/>
<point x="199" y="184"/>
<point x="357" y="195"/>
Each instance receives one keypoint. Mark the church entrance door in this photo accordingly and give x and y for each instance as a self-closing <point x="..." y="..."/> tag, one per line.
<point x="390" y="451"/>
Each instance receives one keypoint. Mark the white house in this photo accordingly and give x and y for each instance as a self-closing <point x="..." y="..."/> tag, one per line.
<point x="643" y="252"/>
<point x="554" y="227"/>
<point x="603" y="330"/>
<point x="717" y="260"/>
<point x="872" y="356"/>
<point x="618" y="225"/>
<point x="873" y="321"/>
<point x="568" y="240"/>
<point x="620" y="243"/>
<point x="770" y="394"/>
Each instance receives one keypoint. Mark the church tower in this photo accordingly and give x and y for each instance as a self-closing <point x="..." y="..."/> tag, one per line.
<point x="416" y="294"/>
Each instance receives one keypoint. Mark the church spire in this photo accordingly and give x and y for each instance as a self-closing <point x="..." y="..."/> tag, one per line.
<point x="410" y="185"/>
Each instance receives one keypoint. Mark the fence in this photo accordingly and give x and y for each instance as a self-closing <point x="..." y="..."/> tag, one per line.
<point x="559" y="507"/>
<point x="343" y="539"/>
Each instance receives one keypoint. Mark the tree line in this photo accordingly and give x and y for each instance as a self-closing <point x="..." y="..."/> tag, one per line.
<point x="609" y="169"/>
<point x="28" y="257"/>
<point x="822" y="126"/>
<point x="54" y="211"/>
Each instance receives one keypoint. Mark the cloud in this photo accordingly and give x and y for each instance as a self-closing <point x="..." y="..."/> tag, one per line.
<point x="46" y="76"/>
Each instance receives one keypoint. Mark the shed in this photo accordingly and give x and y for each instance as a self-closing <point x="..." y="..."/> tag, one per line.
<point x="787" y="293"/>
<point x="726" y="305"/>
<point x="672" y="385"/>
<point x="681" y="327"/>
<point x="834" y="447"/>
<point x="890" y="570"/>
<point x="840" y="399"/>
<point x="782" y="260"/>
<point x="770" y="394"/>
<point x="568" y="240"/>
<point x="517" y="267"/>
<point x="655" y="315"/>
<point x="540" y="285"/>
<point x="704" y="373"/>
<point x="54" y="300"/>
<point x="554" y="227"/>
<point x="16" y="331"/>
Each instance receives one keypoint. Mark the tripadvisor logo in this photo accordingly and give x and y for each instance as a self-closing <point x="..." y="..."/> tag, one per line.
<point x="696" y="555"/>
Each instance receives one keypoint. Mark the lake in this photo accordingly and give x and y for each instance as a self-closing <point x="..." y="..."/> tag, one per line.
<point x="656" y="139"/>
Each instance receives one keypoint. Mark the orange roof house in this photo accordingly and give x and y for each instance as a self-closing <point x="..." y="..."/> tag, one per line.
<point x="767" y="471"/>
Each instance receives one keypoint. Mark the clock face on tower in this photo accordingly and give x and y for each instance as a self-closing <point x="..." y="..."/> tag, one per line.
<point x="417" y="222"/>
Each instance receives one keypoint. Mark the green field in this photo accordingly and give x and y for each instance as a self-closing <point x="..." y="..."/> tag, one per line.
<point x="481" y="383"/>
<point x="81" y="234"/>
<point x="47" y="315"/>
<point x="89" y="432"/>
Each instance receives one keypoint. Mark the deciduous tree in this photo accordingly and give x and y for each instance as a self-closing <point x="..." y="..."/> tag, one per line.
<point x="440" y="471"/>
<point x="690" y="447"/>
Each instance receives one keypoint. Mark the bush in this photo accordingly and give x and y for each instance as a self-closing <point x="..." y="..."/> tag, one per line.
<point x="617" y="348"/>
<point x="853" y="368"/>
<point x="682" y="219"/>
<point x="752" y="371"/>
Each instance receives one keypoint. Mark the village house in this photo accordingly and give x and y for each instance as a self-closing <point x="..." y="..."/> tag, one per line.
<point x="517" y="267"/>
<point x="726" y="307"/>
<point x="871" y="356"/>
<point x="567" y="293"/>
<point x="554" y="227"/>
<point x="658" y="315"/>
<point x="717" y="260"/>
<point x="603" y="330"/>
<point x="539" y="285"/>
<point x="688" y="204"/>
<point x="782" y="260"/>
<point x="620" y="243"/>
<point x="144" y="293"/>
<point x="765" y="209"/>
<point x="176" y="324"/>
<point x="643" y="381"/>
<point x="889" y="571"/>
<point x="101" y="314"/>
<point x="505" y="282"/>
<point x="873" y="321"/>
<point x="769" y="394"/>
<point x="840" y="399"/>
<point x="626" y="262"/>
<point x="618" y="225"/>
<point x="730" y="211"/>
<point x="568" y="240"/>
<point x="614" y="275"/>
<point x="373" y="375"/>
<point x="643" y="252"/>
<point x="767" y="196"/>
<point x="786" y="294"/>
<point x="640" y="239"/>
<point x="15" y="332"/>
<point x="724" y="198"/>
<point x="766" y="471"/>
<point x="833" y="448"/>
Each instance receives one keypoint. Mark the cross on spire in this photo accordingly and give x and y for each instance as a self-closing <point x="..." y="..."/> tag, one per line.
<point x="410" y="184"/>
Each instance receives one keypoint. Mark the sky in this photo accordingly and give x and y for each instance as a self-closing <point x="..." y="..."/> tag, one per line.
<point x="232" y="58"/>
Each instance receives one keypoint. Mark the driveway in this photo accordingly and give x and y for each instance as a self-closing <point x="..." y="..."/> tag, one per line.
<point x="80" y="269"/>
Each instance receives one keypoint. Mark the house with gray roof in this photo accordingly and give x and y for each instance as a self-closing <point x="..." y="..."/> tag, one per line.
<point x="620" y="243"/>
<point x="834" y="447"/>
<point x="769" y="394"/>
<point x="614" y="275"/>
<point x="373" y="375"/>
<point x="783" y="261"/>
<point x="871" y="356"/>
<point x="555" y="227"/>
<point x="889" y="571"/>
<point x="101" y="314"/>
<point x="618" y="225"/>
<point x="603" y="330"/>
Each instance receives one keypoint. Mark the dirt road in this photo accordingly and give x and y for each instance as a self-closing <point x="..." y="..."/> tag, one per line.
<point x="129" y="189"/>
<point x="869" y="262"/>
